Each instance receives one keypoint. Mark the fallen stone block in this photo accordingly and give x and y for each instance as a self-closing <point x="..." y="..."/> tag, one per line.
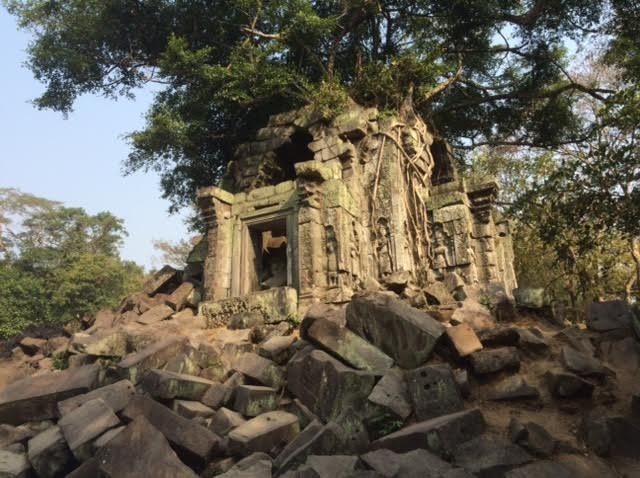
<point x="332" y="466"/>
<point x="530" y="297"/>
<point x="438" y="294"/>
<point x="301" y="411"/>
<point x="107" y="436"/>
<point x="225" y="420"/>
<point x="135" y="365"/>
<point x="194" y="442"/>
<point x="103" y="343"/>
<point x="277" y="348"/>
<point x="578" y="339"/>
<point x="259" y="368"/>
<point x="488" y="457"/>
<point x="253" y="400"/>
<point x="532" y="341"/>
<point x="541" y="469"/>
<point x="10" y="434"/>
<point x="532" y="437"/>
<point x="116" y="396"/>
<point x="464" y="339"/>
<point x="217" y="395"/>
<point x="88" y="469"/>
<point x="474" y="314"/>
<point x="191" y="409"/>
<point x="392" y="394"/>
<point x="14" y="465"/>
<point x="256" y="465"/>
<point x="263" y="433"/>
<point x="140" y="450"/>
<point x="36" y="397"/>
<point x="345" y="345"/>
<point x="513" y="388"/>
<point x="325" y="385"/>
<point x="80" y="360"/>
<point x="611" y="315"/>
<point x="625" y="437"/>
<point x="582" y="364"/>
<point x="178" y="298"/>
<point x="433" y="391"/>
<point x="595" y="434"/>
<point x="155" y="314"/>
<point x="406" y="334"/>
<point x="568" y="385"/>
<point x="186" y="362"/>
<point x="505" y="310"/>
<point x="87" y="422"/>
<point x="439" y="435"/>
<point x="105" y="319"/>
<point x="219" y="466"/>
<point x="33" y="346"/>
<point x="635" y="405"/>
<point x="168" y="385"/>
<point x="297" y="450"/>
<point x="462" y="380"/>
<point x="586" y="467"/>
<point x="161" y="280"/>
<point x="494" y="360"/>
<point x="406" y="465"/>
<point x="49" y="454"/>
<point x="499" y="337"/>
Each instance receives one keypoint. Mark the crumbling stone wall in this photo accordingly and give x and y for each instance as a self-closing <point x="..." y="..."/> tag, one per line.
<point x="364" y="195"/>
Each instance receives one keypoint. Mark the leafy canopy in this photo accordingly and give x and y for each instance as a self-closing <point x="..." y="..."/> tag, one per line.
<point x="481" y="71"/>
<point x="60" y="263"/>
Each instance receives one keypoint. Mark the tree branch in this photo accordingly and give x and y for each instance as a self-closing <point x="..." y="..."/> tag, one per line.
<point x="446" y="84"/>
<point x="252" y="31"/>
<point x="593" y="92"/>
<point x="526" y="19"/>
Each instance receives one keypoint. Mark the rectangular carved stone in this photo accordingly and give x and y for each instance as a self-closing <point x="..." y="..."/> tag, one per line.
<point x="406" y="334"/>
<point x="49" y="454"/>
<point x="345" y="345"/>
<point x="178" y="297"/>
<point x="155" y="314"/>
<point x="440" y="435"/>
<point x="263" y="433"/>
<point x="135" y="365"/>
<point x="116" y="395"/>
<point x="35" y="398"/>
<point x="433" y="391"/>
<point x="166" y="385"/>
<point x="194" y="441"/>
<point x="141" y="450"/>
<point x="325" y="385"/>
<point x="86" y="423"/>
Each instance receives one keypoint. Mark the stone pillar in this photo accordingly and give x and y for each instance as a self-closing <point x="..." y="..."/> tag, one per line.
<point x="215" y="206"/>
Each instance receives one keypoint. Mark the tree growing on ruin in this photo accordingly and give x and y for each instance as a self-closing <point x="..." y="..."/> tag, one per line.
<point x="480" y="72"/>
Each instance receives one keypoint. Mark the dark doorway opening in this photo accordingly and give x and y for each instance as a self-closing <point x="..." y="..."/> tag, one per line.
<point x="270" y="265"/>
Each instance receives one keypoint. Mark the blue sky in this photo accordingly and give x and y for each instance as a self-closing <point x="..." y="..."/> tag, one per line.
<point x="78" y="160"/>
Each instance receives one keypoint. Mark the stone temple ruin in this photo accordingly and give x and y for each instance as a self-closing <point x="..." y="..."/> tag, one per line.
<point x="313" y="210"/>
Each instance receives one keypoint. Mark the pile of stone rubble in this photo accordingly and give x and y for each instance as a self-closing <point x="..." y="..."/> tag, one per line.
<point x="376" y="388"/>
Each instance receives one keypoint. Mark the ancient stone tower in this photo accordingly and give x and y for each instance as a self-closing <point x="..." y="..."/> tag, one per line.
<point x="315" y="209"/>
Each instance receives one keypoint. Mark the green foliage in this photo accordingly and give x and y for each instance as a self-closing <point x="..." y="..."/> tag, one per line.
<point x="483" y="72"/>
<point x="577" y="208"/>
<point x="61" y="361"/>
<point x="90" y="283"/>
<point x="63" y="263"/>
<point x="24" y="300"/>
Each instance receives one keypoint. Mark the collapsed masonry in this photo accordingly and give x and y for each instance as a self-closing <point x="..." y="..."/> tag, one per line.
<point x="314" y="210"/>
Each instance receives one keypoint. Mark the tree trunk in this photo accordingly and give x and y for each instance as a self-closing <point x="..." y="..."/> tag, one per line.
<point x="634" y="243"/>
